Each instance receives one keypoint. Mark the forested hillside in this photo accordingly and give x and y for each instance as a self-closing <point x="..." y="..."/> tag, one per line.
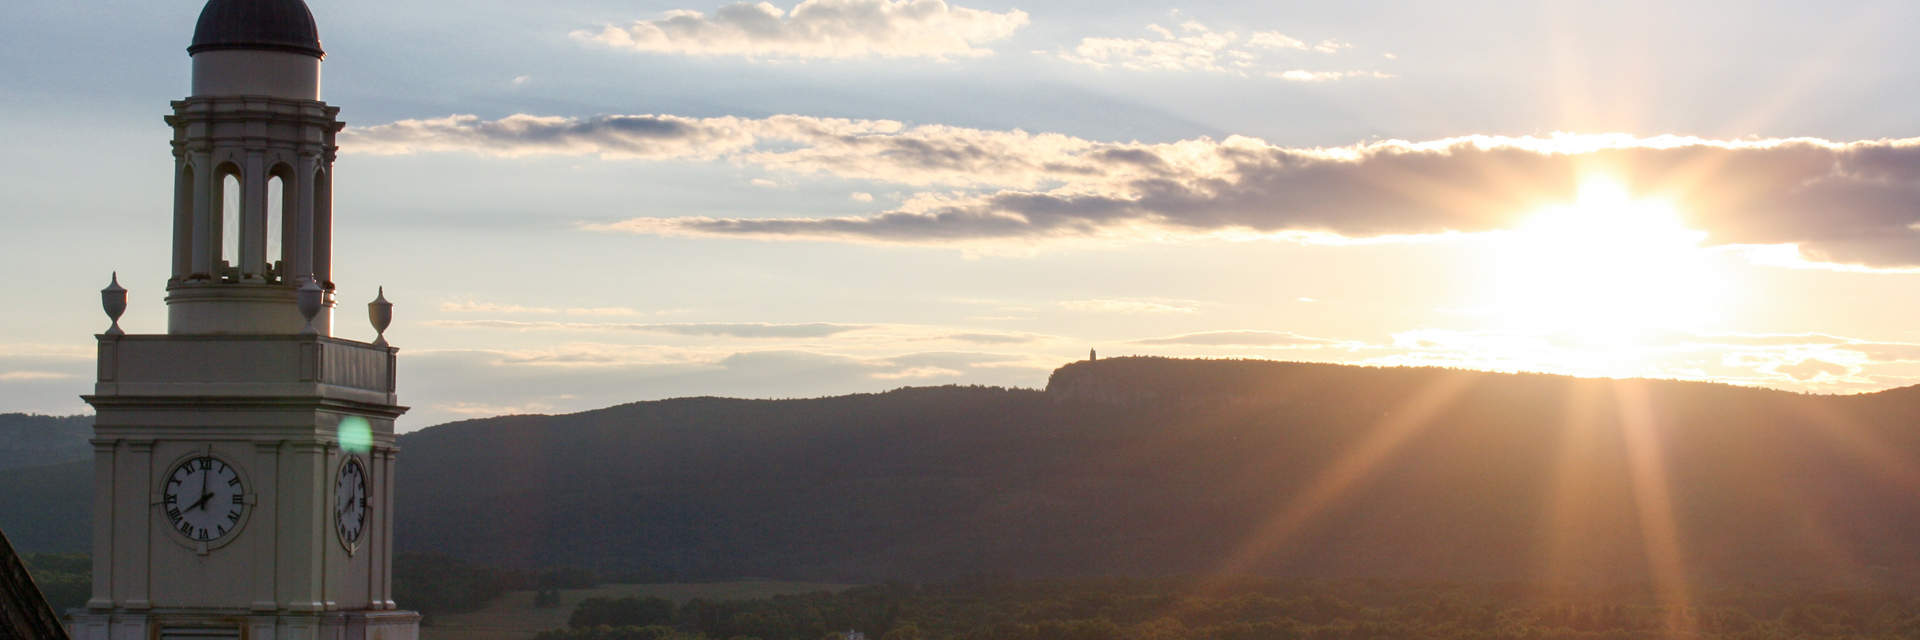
<point x="1142" y="466"/>
<point x="28" y="440"/>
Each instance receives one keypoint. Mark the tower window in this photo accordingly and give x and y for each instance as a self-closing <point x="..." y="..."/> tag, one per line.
<point x="230" y="219"/>
<point x="276" y="220"/>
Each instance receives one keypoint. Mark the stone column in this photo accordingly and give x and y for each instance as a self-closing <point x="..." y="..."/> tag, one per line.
<point x="104" y="456"/>
<point x="299" y="248"/>
<point x="323" y="225"/>
<point x="301" y="498"/>
<point x="138" y="467"/>
<point x="183" y="191"/>
<point x="264" y="524"/>
<point x="206" y="222"/>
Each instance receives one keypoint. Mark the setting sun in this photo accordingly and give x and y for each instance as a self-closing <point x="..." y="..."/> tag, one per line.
<point x="1604" y="267"/>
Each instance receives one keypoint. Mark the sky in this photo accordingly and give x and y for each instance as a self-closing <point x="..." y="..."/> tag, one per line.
<point x="580" y="203"/>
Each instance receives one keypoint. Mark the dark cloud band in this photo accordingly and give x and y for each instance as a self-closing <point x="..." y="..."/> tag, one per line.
<point x="1840" y="202"/>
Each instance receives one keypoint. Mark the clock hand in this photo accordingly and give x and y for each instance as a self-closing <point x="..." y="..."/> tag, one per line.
<point x="204" y="497"/>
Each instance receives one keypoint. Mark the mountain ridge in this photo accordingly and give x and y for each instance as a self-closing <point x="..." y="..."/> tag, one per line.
<point x="1096" y="477"/>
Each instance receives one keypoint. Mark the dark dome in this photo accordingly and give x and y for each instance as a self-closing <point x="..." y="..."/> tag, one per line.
<point x="270" y="25"/>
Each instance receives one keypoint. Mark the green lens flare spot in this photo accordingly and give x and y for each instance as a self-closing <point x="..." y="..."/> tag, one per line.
<point x="355" y="434"/>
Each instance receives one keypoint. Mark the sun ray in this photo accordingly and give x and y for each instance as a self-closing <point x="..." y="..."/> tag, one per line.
<point x="1340" y="477"/>
<point x="1571" y="511"/>
<point x="1653" y="498"/>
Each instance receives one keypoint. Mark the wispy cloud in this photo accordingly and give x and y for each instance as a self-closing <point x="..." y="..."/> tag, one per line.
<point x="11" y="376"/>
<point x="1839" y="202"/>
<point x="1246" y="338"/>
<point x="732" y="330"/>
<point x="994" y="338"/>
<point x="818" y="29"/>
<point x="56" y="351"/>
<point x="1132" y="306"/>
<point x="490" y="307"/>
<point x="1302" y="75"/>
<point x="1808" y="362"/>
<point x="1812" y="368"/>
<point x="1197" y="48"/>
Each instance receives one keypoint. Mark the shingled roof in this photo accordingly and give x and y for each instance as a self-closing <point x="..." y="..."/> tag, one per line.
<point x="24" y="613"/>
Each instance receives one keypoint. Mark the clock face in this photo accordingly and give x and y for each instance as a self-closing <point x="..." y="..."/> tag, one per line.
<point x="204" y="498"/>
<point x="350" y="502"/>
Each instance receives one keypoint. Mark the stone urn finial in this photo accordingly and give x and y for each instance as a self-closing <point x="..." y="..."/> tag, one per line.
<point x="114" y="300"/>
<point x="310" y="298"/>
<point x="380" y="313"/>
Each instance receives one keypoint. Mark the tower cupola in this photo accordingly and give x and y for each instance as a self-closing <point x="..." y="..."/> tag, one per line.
<point x="253" y="147"/>
<point x="257" y="47"/>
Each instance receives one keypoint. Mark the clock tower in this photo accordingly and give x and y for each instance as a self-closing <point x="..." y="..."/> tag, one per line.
<point x="243" y="460"/>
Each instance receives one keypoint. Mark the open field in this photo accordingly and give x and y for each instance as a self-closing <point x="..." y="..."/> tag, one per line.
<point x="513" y="617"/>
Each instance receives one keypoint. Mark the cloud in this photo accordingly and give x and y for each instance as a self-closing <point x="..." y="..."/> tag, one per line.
<point x="1276" y="40"/>
<point x="1839" y="202"/>
<point x="602" y="311"/>
<point x="490" y="307"/>
<point x="818" y="29"/>
<point x="1803" y="362"/>
<point x="993" y="338"/>
<point x="1886" y="352"/>
<point x="32" y="375"/>
<point x="1130" y="306"/>
<point x="731" y="330"/>
<point x="1302" y="75"/>
<point x="53" y="351"/>
<point x="916" y="373"/>
<point x="1810" y="368"/>
<point x="481" y="410"/>
<point x="1198" y="48"/>
<point x="1241" y="339"/>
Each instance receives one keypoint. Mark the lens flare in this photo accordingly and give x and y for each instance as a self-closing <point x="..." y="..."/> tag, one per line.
<point x="355" y="434"/>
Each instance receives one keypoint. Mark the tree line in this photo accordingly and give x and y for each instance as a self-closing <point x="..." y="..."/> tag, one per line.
<point x="1252" y="609"/>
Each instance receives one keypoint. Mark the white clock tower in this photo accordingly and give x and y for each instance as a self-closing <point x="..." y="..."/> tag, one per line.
<point x="243" y="461"/>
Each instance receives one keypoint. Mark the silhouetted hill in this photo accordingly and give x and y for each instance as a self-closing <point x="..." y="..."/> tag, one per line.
<point x="28" y="440"/>
<point x="1160" y="466"/>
